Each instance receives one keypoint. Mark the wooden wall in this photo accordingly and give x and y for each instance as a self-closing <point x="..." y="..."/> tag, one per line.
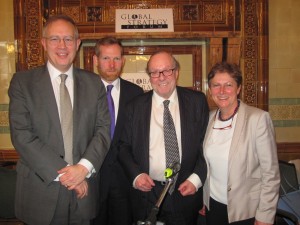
<point x="237" y="31"/>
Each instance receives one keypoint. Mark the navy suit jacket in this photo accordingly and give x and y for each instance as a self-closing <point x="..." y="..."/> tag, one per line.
<point x="134" y="144"/>
<point x="111" y="170"/>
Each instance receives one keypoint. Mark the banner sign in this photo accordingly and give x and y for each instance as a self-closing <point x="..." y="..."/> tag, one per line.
<point x="144" y="20"/>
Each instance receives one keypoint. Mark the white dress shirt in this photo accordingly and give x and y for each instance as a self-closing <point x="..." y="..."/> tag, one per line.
<point x="55" y="80"/>
<point x="217" y="152"/>
<point x="157" y="156"/>
<point x="115" y="93"/>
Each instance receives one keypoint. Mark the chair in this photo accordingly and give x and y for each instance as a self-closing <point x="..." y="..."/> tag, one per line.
<point x="284" y="217"/>
<point x="285" y="214"/>
<point x="7" y="195"/>
<point x="288" y="175"/>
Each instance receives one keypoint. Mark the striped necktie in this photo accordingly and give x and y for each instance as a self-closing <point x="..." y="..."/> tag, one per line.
<point x="171" y="144"/>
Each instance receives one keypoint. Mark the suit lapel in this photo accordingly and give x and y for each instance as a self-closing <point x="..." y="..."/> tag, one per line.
<point x="241" y="121"/>
<point x="209" y="127"/>
<point x="122" y="100"/>
<point x="77" y="104"/>
<point x="44" y="86"/>
<point x="145" y="115"/>
<point x="183" y="121"/>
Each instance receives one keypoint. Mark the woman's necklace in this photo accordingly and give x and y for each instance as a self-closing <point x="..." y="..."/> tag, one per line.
<point x="234" y="112"/>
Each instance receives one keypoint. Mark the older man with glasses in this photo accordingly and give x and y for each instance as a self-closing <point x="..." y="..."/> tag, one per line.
<point x="165" y="126"/>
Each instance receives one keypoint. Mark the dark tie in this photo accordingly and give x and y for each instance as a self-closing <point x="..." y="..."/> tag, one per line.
<point x="66" y="119"/>
<point x="111" y="108"/>
<point x="171" y="144"/>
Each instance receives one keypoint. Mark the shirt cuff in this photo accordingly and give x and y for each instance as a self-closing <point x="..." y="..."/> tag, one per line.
<point x="87" y="164"/>
<point x="133" y="183"/>
<point x="195" y="180"/>
<point x="59" y="175"/>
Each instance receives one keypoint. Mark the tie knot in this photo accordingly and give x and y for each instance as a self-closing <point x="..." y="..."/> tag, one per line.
<point x="166" y="103"/>
<point x="109" y="87"/>
<point x="63" y="77"/>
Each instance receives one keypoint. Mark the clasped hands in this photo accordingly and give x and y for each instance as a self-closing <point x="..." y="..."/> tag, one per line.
<point x="73" y="178"/>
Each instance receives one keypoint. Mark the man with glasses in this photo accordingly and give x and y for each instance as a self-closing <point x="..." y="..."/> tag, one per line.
<point x="59" y="122"/>
<point x="144" y="147"/>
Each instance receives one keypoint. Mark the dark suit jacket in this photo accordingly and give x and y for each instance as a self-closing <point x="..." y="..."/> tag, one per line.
<point x="134" y="144"/>
<point x="111" y="170"/>
<point x="36" y="135"/>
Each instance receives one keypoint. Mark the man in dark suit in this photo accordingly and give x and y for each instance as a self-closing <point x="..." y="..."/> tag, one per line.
<point x="56" y="186"/>
<point x="142" y="145"/>
<point x="114" y="186"/>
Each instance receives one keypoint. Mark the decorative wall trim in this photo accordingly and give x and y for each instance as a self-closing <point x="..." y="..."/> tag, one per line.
<point x="285" y="112"/>
<point x="244" y="22"/>
<point x="286" y="151"/>
<point x="4" y="124"/>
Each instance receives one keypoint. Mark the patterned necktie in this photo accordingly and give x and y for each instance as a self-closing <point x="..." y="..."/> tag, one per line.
<point x="111" y="108"/>
<point x="171" y="144"/>
<point x="66" y="119"/>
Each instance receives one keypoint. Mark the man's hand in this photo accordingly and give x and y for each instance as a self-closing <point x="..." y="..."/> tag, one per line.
<point x="144" y="182"/>
<point x="187" y="188"/>
<point x="81" y="189"/>
<point x="72" y="175"/>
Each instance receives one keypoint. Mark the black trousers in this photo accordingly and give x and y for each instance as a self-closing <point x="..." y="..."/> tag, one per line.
<point x="167" y="211"/>
<point x="218" y="215"/>
<point x="115" y="209"/>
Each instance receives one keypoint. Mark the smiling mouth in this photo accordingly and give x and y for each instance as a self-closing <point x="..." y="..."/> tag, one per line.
<point x="62" y="54"/>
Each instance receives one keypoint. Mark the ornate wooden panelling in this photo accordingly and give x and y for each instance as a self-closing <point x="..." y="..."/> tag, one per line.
<point x="255" y="56"/>
<point x="237" y="31"/>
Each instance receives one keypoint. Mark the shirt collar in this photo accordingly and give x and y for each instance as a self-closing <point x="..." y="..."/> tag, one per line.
<point x="116" y="83"/>
<point x="158" y="100"/>
<point x="54" y="73"/>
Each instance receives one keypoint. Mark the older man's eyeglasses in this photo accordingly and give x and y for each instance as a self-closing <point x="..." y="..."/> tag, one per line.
<point x="222" y="128"/>
<point x="166" y="73"/>
<point x="55" y="40"/>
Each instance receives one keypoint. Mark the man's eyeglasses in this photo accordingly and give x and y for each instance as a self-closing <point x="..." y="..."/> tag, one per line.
<point x="54" y="41"/>
<point x="166" y="73"/>
<point x="222" y="128"/>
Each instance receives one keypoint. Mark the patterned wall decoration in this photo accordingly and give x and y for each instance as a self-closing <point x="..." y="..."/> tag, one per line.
<point x="252" y="84"/>
<point x="73" y="12"/>
<point x="4" y="125"/>
<point x="94" y="14"/>
<point x="192" y="19"/>
<point x="285" y="112"/>
<point x="213" y="12"/>
<point x="34" y="51"/>
<point x="190" y="12"/>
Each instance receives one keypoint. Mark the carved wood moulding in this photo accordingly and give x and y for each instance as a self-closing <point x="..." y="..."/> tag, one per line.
<point x="286" y="151"/>
<point x="192" y="15"/>
<point x="240" y="24"/>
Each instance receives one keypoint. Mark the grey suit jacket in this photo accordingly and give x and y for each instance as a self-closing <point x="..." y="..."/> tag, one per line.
<point x="37" y="137"/>
<point x="253" y="173"/>
<point x="134" y="144"/>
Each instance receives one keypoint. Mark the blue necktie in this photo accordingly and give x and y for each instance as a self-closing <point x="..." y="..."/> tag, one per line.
<point x="111" y="108"/>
